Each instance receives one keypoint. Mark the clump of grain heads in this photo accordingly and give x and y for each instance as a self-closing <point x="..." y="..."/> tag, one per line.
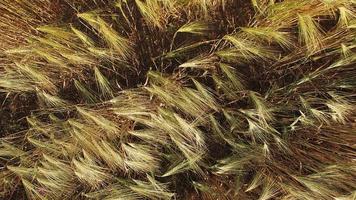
<point x="168" y="99"/>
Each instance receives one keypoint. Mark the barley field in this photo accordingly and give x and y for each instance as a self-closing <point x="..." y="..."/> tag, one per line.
<point x="178" y="99"/>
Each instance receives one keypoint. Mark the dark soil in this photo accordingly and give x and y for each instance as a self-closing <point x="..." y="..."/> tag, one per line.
<point x="13" y="112"/>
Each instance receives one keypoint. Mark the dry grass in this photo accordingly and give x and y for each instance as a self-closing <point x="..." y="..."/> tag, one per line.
<point x="169" y="99"/>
